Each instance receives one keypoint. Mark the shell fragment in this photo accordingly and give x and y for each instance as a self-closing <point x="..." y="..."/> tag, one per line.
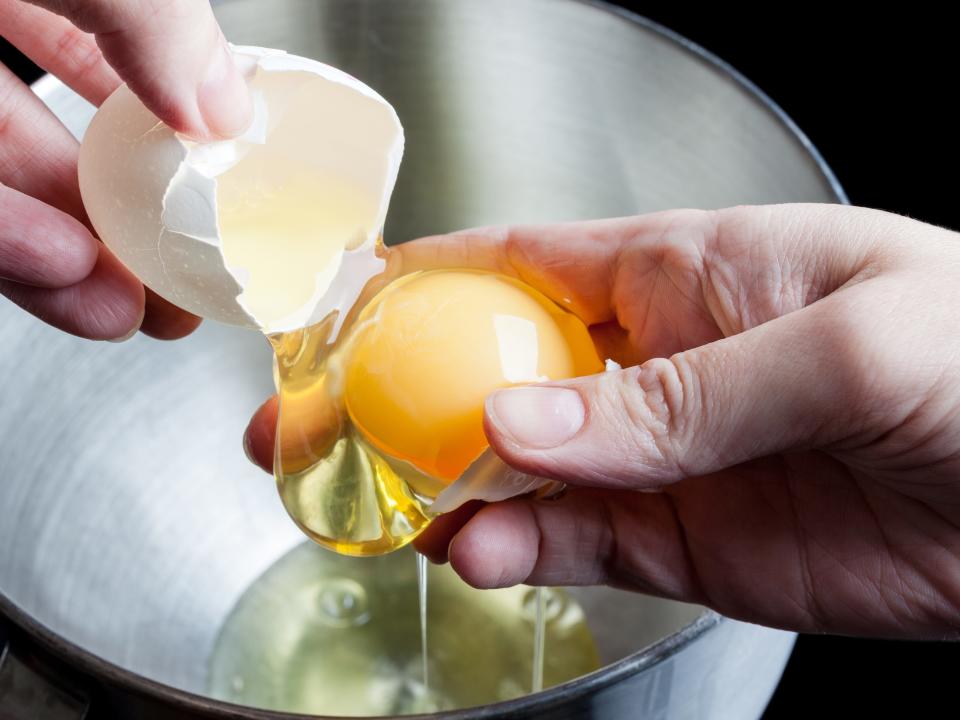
<point x="251" y="231"/>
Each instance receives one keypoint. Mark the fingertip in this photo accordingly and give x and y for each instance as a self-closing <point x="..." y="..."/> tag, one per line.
<point x="109" y="302"/>
<point x="179" y="64"/>
<point x="260" y="435"/>
<point x="163" y="320"/>
<point x="223" y="96"/>
<point x="437" y="558"/>
<point x="498" y="547"/>
<point x="435" y="540"/>
<point x="247" y="448"/>
<point x="170" y="328"/>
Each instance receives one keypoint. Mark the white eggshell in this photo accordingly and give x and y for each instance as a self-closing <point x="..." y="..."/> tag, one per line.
<point x="151" y="194"/>
<point x="489" y="479"/>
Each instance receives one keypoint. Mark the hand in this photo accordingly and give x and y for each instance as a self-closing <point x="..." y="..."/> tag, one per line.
<point x="173" y="55"/>
<point x="797" y="430"/>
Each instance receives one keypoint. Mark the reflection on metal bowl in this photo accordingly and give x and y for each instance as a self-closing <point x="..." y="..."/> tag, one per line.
<point x="133" y="524"/>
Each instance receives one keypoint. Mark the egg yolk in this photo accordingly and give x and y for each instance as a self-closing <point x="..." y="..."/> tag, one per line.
<point x="431" y="346"/>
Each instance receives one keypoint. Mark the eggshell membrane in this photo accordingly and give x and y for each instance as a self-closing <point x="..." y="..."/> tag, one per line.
<point x="165" y="205"/>
<point x="490" y="479"/>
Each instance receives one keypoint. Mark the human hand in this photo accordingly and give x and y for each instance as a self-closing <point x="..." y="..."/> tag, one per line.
<point x="173" y="55"/>
<point x="796" y="430"/>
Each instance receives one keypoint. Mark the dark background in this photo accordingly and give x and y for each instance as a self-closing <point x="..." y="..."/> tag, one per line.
<point x="872" y="93"/>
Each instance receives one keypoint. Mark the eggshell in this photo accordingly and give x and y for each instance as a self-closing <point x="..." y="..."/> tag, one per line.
<point x="488" y="478"/>
<point x="151" y="194"/>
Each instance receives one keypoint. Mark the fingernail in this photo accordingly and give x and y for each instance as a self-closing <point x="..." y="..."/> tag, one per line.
<point x="126" y="337"/>
<point x="133" y="331"/>
<point x="223" y="96"/>
<point x="537" y="417"/>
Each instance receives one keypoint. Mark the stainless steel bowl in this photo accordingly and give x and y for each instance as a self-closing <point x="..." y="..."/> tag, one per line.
<point x="131" y="522"/>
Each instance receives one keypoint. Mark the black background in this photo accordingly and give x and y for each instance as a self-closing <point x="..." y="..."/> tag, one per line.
<point x="872" y="92"/>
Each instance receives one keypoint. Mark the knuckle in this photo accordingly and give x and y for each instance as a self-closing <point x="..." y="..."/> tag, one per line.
<point x="652" y="400"/>
<point x="10" y="102"/>
<point x="515" y="250"/>
<point x="682" y="238"/>
<point x="20" y="146"/>
<point x="81" y="52"/>
<point x="665" y="256"/>
<point x="748" y="281"/>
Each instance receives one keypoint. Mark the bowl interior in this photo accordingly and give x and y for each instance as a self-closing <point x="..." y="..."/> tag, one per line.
<point x="132" y="521"/>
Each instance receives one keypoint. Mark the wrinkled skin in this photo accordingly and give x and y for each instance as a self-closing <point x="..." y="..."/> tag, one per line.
<point x="795" y="423"/>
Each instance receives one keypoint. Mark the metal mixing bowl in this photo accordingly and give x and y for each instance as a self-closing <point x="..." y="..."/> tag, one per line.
<point x="131" y="522"/>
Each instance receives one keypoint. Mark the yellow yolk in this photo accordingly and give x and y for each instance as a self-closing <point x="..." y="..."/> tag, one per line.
<point x="430" y="347"/>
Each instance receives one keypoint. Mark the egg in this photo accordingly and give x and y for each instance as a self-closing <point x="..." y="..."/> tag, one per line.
<point x="381" y="379"/>
<point x="252" y="231"/>
<point x="400" y="435"/>
<point x="433" y="345"/>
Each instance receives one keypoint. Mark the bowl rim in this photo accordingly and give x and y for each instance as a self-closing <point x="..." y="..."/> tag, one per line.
<point x="742" y="80"/>
<point x="708" y="621"/>
<point x="102" y="671"/>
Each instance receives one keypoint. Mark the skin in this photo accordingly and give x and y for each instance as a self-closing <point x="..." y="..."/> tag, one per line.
<point x="782" y="445"/>
<point x="788" y="408"/>
<point x="51" y="264"/>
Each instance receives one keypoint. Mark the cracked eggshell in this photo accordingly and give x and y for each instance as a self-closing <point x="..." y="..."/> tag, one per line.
<point x="152" y="195"/>
<point x="489" y="479"/>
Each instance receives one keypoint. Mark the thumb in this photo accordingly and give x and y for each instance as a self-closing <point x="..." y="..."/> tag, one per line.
<point x="173" y="56"/>
<point x="780" y="386"/>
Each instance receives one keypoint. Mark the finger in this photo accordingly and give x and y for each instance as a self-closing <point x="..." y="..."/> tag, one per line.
<point x="310" y="425"/>
<point x="680" y="278"/>
<point x="106" y="305"/>
<point x="261" y="434"/>
<point x="435" y="540"/>
<point x="165" y="321"/>
<point x="613" y="342"/>
<point x="38" y="156"/>
<point x="809" y="379"/>
<point x="571" y="263"/>
<point x="798" y="543"/>
<point x="60" y="48"/>
<point x="173" y="56"/>
<point x="40" y="245"/>
<point x="586" y="537"/>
